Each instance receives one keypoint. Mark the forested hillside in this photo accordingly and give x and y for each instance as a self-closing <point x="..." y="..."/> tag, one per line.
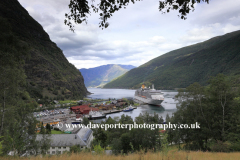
<point x="32" y="68"/>
<point x="48" y="73"/>
<point x="184" y="66"/>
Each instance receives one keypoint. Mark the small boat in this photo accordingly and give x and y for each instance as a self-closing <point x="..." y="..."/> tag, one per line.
<point x="128" y="109"/>
<point x="77" y="121"/>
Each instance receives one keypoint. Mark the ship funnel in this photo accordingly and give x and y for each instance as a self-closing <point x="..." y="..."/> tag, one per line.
<point x="143" y="86"/>
<point x="152" y="86"/>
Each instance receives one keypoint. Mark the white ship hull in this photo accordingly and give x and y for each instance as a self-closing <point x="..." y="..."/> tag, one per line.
<point x="149" y="100"/>
<point x="96" y="117"/>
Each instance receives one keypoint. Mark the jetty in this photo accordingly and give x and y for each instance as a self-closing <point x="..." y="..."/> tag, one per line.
<point x="115" y="111"/>
<point x="112" y="111"/>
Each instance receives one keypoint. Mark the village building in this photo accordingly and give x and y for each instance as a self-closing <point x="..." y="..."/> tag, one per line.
<point x="83" y="109"/>
<point x="108" y="107"/>
<point x="50" y="121"/>
<point x="114" y="102"/>
<point x="62" y="142"/>
<point x="120" y="100"/>
<point x="121" y="104"/>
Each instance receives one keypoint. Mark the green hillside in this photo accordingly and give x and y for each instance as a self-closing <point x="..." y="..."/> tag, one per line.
<point x="184" y="66"/>
<point x="46" y="70"/>
<point x="99" y="76"/>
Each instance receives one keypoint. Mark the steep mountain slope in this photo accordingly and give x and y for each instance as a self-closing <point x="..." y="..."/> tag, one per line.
<point x="99" y="76"/>
<point x="184" y="66"/>
<point x="48" y="73"/>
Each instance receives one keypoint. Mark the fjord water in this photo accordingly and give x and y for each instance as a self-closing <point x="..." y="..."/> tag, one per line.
<point x="168" y="105"/>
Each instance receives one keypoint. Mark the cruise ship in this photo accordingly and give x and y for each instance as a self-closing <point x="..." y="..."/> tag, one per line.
<point x="149" y="96"/>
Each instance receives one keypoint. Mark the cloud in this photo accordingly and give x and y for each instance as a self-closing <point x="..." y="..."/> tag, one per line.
<point x="220" y="11"/>
<point x="199" y="34"/>
<point x="230" y="28"/>
<point x="136" y="34"/>
<point x="213" y="19"/>
<point x="157" y="39"/>
<point x="108" y="50"/>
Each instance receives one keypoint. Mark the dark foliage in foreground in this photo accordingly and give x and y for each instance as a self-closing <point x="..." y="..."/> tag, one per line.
<point x="217" y="109"/>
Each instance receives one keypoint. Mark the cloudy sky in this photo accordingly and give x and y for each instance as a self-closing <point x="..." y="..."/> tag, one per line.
<point x="136" y="34"/>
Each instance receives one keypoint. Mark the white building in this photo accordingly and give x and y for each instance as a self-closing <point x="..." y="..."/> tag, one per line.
<point x="62" y="142"/>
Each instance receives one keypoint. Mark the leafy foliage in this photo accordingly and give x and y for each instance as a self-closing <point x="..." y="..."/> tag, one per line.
<point x="48" y="129"/>
<point x="43" y="145"/>
<point x="29" y="64"/>
<point x="216" y="109"/>
<point x="80" y="9"/>
<point x="18" y="126"/>
<point x="123" y="140"/>
<point x="98" y="149"/>
<point x="75" y="149"/>
<point x="1" y="147"/>
<point x="85" y="121"/>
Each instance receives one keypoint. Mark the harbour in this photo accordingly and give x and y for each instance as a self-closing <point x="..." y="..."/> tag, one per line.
<point x="168" y="106"/>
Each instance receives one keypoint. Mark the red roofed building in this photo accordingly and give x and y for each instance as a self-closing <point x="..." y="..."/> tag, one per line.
<point x="83" y="109"/>
<point x="78" y="107"/>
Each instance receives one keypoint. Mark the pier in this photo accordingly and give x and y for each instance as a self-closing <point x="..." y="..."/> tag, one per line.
<point x="115" y="111"/>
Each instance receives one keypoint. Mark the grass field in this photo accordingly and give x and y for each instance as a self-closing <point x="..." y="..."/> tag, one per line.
<point x="57" y="132"/>
<point x="176" y="155"/>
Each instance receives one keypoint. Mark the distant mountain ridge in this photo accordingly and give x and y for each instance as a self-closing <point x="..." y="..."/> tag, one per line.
<point x="99" y="76"/>
<point x="182" y="67"/>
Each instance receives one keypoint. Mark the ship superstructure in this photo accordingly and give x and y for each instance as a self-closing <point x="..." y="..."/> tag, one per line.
<point x="149" y="96"/>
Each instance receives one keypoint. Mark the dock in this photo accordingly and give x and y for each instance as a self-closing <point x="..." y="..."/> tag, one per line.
<point x="115" y="111"/>
<point x="112" y="111"/>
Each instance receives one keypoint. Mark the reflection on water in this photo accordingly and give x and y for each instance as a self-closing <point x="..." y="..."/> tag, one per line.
<point x="110" y="93"/>
<point x="168" y="105"/>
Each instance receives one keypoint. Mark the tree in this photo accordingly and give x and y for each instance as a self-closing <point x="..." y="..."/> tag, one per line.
<point x="125" y="142"/>
<point x="11" y="68"/>
<point x="20" y="133"/>
<point x="80" y="9"/>
<point x="194" y="108"/>
<point x="215" y="108"/>
<point x="42" y="129"/>
<point x="98" y="149"/>
<point x="150" y="141"/>
<point x="116" y="145"/>
<point x="48" y="129"/>
<point x="220" y="92"/>
<point x="44" y="143"/>
<point x="18" y="126"/>
<point x="85" y="121"/>
<point x="100" y="136"/>
<point x="75" y="149"/>
<point x="1" y="147"/>
<point x="164" y="144"/>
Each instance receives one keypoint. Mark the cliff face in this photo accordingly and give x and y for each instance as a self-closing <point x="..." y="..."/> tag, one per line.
<point x="48" y="72"/>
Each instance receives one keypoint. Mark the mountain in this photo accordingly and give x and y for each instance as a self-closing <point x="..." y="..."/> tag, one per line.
<point x="47" y="71"/>
<point x="182" y="67"/>
<point x="99" y="76"/>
